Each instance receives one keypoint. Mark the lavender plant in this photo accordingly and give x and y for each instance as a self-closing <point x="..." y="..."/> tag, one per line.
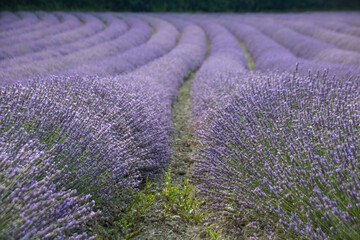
<point x="99" y="131"/>
<point x="32" y="203"/>
<point x="284" y="152"/>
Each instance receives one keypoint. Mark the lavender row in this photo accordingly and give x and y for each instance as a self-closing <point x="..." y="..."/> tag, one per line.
<point x="162" y="41"/>
<point x="334" y="22"/>
<point x="48" y="21"/>
<point x="106" y="135"/>
<point x="139" y="33"/>
<point x="228" y="57"/>
<point x="271" y="56"/>
<point x="340" y="27"/>
<point x="279" y="151"/>
<point x="283" y="154"/>
<point x="342" y="41"/>
<point x="304" y="46"/>
<point x="165" y="75"/>
<point x="30" y="206"/>
<point x="115" y="28"/>
<point x="101" y="133"/>
<point x="91" y="26"/>
<point x="7" y="18"/>
<point x="67" y="22"/>
<point x="26" y="19"/>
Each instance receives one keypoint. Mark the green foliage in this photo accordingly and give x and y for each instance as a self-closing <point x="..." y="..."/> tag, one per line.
<point x="249" y="59"/>
<point x="176" y="200"/>
<point x="136" y="211"/>
<point x="180" y="200"/>
<point x="213" y="234"/>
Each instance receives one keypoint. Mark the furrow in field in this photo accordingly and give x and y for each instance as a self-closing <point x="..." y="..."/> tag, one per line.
<point x="339" y="40"/>
<point x="139" y="33"/>
<point x="7" y="18"/>
<point x="26" y="19"/>
<point x="91" y="26"/>
<point x="163" y="39"/>
<point x="304" y="46"/>
<point x="115" y="28"/>
<point x="48" y="20"/>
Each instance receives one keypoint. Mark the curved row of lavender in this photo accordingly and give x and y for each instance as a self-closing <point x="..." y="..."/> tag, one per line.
<point x="48" y="21"/>
<point x="229" y="59"/>
<point x="340" y="40"/>
<point x="301" y="45"/>
<point x="283" y="154"/>
<point x="26" y="19"/>
<point x="89" y="25"/>
<point x="115" y="28"/>
<point x="138" y="33"/>
<point x="271" y="56"/>
<point x="162" y="41"/>
<point x="94" y="137"/>
<point x="87" y="140"/>
<point x="278" y="151"/>
<point x="7" y="18"/>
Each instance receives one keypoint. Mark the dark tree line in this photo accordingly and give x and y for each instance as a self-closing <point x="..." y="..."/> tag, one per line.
<point x="181" y="5"/>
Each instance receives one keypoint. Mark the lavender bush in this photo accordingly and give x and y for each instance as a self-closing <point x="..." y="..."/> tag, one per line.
<point x="284" y="152"/>
<point x="31" y="204"/>
<point x="99" y="131"/>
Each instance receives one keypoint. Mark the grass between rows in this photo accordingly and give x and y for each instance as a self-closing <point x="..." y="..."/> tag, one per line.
<point x="175" y="200"/>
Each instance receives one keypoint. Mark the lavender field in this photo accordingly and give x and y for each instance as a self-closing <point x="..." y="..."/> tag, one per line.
<point x="87" y="118"/>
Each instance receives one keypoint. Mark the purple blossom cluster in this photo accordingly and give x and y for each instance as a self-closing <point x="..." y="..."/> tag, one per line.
<point x="286" y="150"/>
<point x="31" y="206"/>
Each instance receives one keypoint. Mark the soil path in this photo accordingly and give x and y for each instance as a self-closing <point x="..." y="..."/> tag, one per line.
<point x="176" y="227"/>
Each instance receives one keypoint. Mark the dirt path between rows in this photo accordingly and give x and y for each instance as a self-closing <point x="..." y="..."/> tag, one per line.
<point x="175" y="227"/>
